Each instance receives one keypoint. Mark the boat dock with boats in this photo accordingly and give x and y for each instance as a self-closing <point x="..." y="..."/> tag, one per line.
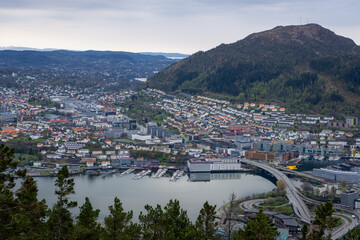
<point x="160" y="172"/>
<point x="141" y="174"/>
<point x="177" y="175"/>
<point x="130" y="170"/>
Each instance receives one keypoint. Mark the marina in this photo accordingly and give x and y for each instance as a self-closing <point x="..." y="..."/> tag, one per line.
<point x="136" y="194"/>
<point x="141" y="174"/>
<point x="177" y="175"/>
<point x="130" y="170"/>
<point x="160" y="172"/>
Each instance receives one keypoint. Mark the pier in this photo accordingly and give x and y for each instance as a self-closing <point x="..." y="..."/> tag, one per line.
<point x="130" y="170"/>
<point x="142" y="174"/>
<point x="177" y="175"/>
<point x="160" y="172"/>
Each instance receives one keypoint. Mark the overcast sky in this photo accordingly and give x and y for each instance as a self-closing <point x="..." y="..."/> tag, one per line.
<point x="184" y="26"/>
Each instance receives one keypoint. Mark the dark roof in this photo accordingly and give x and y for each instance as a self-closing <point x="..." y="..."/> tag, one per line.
<point x="282" y="216"/>
<point x="290" y="222"/>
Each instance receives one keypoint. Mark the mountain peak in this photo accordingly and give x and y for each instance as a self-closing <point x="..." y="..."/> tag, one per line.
<point x="303" y="34"/>
<point x="308" y="65"/>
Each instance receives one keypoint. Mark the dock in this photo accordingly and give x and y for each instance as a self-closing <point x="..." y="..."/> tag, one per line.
<point x="142" y="174"/>
<point x="130" y="170"/>
<point x="177" y="175"/>
<point x="160" y="172"/>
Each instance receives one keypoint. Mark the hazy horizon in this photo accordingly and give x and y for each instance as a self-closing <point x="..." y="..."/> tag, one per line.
<point x="176" y="26"/>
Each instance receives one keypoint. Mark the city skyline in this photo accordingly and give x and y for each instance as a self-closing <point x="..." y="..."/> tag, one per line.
<point x="184" y="26"/>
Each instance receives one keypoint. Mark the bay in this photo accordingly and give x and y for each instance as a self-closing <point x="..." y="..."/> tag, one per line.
<point x="135" y="194"/>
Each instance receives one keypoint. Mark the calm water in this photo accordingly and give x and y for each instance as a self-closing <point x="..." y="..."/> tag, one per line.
<point x="135" y="194"/>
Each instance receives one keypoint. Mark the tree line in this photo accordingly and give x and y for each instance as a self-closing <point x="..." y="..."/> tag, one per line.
<point x="23" y="216"/>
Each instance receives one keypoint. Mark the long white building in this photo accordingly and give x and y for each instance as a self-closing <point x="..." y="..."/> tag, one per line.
<point x="214" y="165"/>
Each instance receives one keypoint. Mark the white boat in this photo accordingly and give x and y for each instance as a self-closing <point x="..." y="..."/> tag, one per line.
<point x="141" y="174"/>
<point x="156" y="175"/>
<point x="130" y="170"/>
<point x="177" y="175"/>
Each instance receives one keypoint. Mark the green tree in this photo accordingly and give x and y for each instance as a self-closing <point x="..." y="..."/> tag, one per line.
<point x="171" y="222"/>
<point x="118" y="225"/>
<point x="86" y="226"/>
<point x="205" y="222"/>
<point x="258" y="227"/>
<point x="7" y="201"/>
<point x="60" y="221"/>
<point x="323" y="221"/>
<point x="304" y="232"/>
<point x="353" y="234"/>
<point x="30" y="215"/>
<point x="152" y="223"/>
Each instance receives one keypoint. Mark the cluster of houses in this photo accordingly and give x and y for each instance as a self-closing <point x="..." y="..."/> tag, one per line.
<point x="93" y="127"/>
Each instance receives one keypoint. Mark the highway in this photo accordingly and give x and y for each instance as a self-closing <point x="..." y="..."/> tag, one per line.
<point x="347" y="214"/>
<point x="299" y="206"/>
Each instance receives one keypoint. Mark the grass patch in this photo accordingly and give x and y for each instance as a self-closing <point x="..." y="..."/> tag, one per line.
<point x="339" y="222"/>
<point x="275" y="201"/>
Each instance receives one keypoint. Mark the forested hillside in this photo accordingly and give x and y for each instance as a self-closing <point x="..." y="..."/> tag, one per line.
<point x="306" y="68"/>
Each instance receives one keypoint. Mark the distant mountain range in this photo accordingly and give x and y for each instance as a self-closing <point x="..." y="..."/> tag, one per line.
<point x="107" y="69"/>
<point x="306" y="68"/>
<point x="28" y="49"/>
<point x="167" y="55"/>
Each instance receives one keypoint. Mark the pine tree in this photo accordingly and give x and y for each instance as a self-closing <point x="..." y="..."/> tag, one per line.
<point x="60" y="221"/>
<point x="206" y="223"/>
<point x="7" y="202"/>
<point x="304" y="232"/>
<point x="258" y="227"/>
<point x="171" y="222"/>
<point x="118" y="225"/>
<point x="86" y="226"/>
<point x="152" y="223"/>
<point x="353" y="234"/>
<point x="323" y="221"/>
<point x="30" y="217"/>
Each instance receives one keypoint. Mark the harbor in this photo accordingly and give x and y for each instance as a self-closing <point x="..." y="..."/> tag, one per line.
<point x="135" y="194"/>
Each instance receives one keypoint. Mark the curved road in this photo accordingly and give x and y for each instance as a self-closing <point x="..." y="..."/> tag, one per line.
<point x="347" y="225"/>
<point x="299" y="206"/>
<point x="249" y="204"/>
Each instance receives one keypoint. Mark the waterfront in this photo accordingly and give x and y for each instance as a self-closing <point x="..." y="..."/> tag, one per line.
<point x="135" y="194"/>
<point x="309" y="164"/>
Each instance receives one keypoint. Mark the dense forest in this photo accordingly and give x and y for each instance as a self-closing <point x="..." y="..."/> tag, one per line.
<point x="305" y="68"/>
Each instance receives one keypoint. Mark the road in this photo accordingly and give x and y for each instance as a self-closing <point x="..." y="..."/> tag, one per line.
<point x="347" y="225"/>
<point x="299" y="206"/>
<point x="250" y="203"/>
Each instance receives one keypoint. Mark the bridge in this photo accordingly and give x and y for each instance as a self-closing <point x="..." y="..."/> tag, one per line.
<point x="299" y="206"/>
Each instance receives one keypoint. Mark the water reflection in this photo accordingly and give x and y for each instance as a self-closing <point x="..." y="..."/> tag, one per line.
<point x="192" y="192"/>
<point x="207" y="177"/>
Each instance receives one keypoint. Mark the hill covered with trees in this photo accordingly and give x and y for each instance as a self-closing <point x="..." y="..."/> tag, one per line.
<point x="306" y="68"/>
